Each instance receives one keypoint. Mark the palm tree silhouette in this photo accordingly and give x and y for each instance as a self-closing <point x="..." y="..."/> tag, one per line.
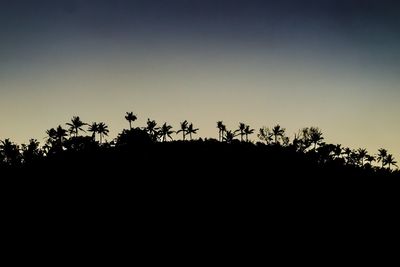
<point x="390" y="161"/>
<point x="94" y="128"/>
<point x="222" y="128"/>
<point x="347" y="151"/>
<point x="242" y="127"/>
<point x="10" y="152"/>
<point x="247" y="132"/>
<point x="76" y="125"/>
<point x="229" y="136"/>
<point x="166" y="131"/>
<point x="130" y="117"/>
<point x="184" y="127"/>
<point x="265" y="135"/>
<point x="151" y="129"/>
<point x="362" y="153"/>
<point x="102" y="130"/>
<point x="51" y="135"/>
<point x="337" y="151"/>
<point x="31" y="151"/>
<point x="60" y="134"/>
<point x="382" y="156"/>
<point x="369" y="159"/>
<point x="277" y="132"/>
<point x="315" y="136"/>
<point x="55" y="137"/>
<point x="191" y="130"/>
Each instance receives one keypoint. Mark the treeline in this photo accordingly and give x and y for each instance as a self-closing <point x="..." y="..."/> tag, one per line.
<point x="153" y="145"/>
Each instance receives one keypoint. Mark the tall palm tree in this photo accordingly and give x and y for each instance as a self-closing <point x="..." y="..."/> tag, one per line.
<point x="130" y="117"/>
<point x="76" y="125"/>
<point x="102" y="130"/>
<point x="315" y="136"/>
<point x="184" y="127"/>
<point x="166" y="131"/>
<point x="382" y="154"/>
<point x="94" y="128"/>
<point x="247" y="132"/>
<point x="277" y="132"/>
<point x="390" y="160"/>
<point x="191" y="130"/>
<point x="221" y="130"/>
<point x="241" y="129"/>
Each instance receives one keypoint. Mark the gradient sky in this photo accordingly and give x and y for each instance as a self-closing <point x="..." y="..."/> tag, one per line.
<point x="329" y="63"/>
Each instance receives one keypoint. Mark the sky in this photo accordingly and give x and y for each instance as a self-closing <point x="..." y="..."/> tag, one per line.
<point x="333" y="64"/>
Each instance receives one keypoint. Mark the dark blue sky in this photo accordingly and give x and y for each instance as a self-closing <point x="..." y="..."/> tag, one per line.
<point x="369" y="27"/>
<point x="330" y="63"/>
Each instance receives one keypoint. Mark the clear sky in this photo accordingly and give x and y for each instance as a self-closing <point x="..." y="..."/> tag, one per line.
<point x="329" y="63"/>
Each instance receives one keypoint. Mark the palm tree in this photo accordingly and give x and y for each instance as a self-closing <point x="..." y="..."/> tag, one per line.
<point x="390" y="160"/>
<point x="130" y="117"/>
<point x="382" y="156"/>
<point x="60" y="134"/>
<point x="247" y="132"/>
<point x="76" y="125"/>
<point x="347" y="151"/>
<point x="337" y="151"/>
<point x="191" y="130"/>
<point x="51" y="135"/>
<point x="369" y="159"/>
<point x="102" y="130"/>
<point x="222" y="128"/>
<point x="166" y="131"/>
<point x="315" y="136"/>
<point x="362" y="153"/>
<point x="184" y="127"/>
<point x="10" y="152"/>
<point x="229" y="136"/>
<point x="94" y="128"/>
<point x="31" y="151"/>
<point x="151" y="129"/>
<point x="265" y="135"/>
<point x="242" y="127"/>
<point x="277" y="132"/>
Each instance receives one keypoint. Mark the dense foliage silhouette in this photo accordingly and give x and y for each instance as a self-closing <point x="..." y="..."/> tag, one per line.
<point x="150" y="150"/>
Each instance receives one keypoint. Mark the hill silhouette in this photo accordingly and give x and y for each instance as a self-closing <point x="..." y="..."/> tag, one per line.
<point x="149" y="152"/>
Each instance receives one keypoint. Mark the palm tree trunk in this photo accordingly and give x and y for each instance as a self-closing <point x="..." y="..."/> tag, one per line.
<point x="100" y="138"/>
<point x="130" y="125"/>
<point x="190" y="134"/>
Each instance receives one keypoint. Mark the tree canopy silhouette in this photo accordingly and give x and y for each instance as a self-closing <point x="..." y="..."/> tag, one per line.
<point x="153" y="147"/>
